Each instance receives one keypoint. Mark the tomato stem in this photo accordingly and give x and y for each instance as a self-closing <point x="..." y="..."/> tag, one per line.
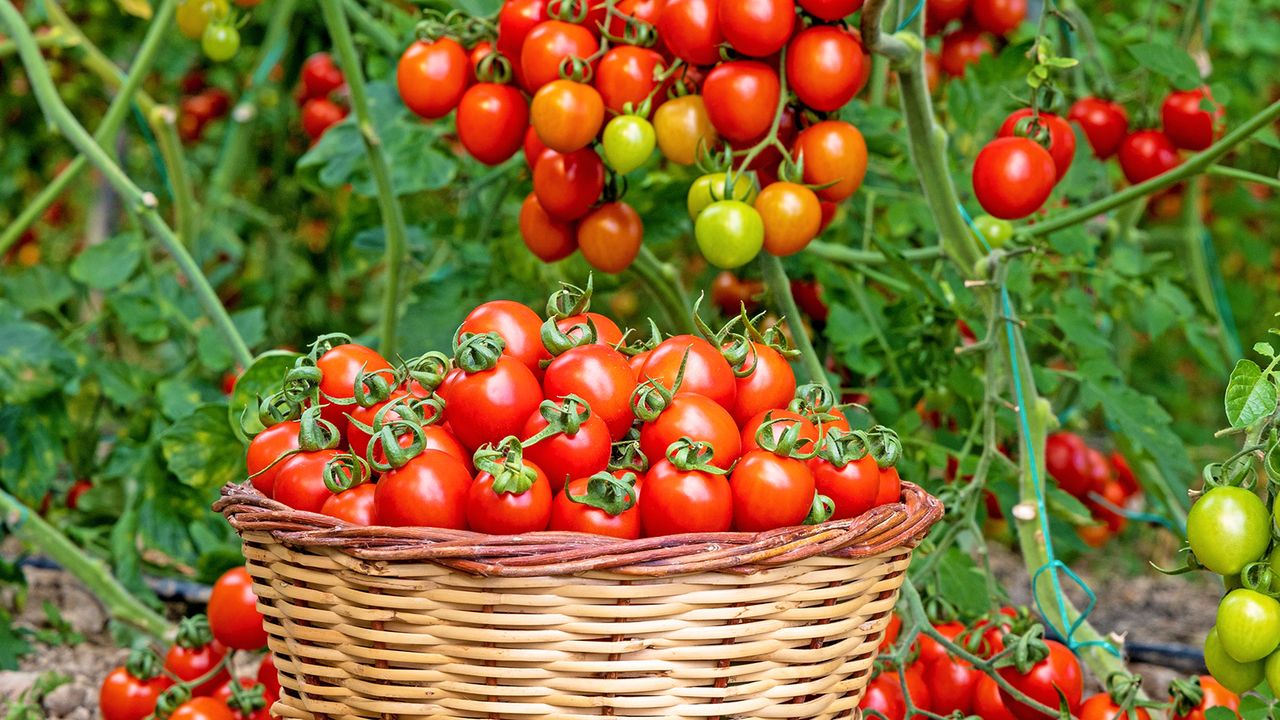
<point x="779" y="286"/>
<point x="662" y="282"/>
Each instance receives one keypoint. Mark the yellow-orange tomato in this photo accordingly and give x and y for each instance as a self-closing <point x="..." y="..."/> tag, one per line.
<point x="684" y="129"/>
<point x="610" y="237"/>
<point x="792" y="217"/>
<point x="549" y="239"/>
<point x="567" y="115"/>
<point x="835" y="156"/>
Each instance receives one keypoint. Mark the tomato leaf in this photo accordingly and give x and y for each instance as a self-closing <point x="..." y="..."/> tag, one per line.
<point x="1251" y="395"/>
<point x="261" y="378"/>
<point x="961" y="582"/>
<point x="1169" y="61"/>
<point x="201" y="449"/>
<point x="142" y="316"/>
<point x="39" y="288"/>
<point x="108" y="264"/>
<point x="33" y="362"/>
<point x="1264" y="348"/>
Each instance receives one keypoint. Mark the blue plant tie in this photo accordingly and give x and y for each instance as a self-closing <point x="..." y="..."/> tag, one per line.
<point x="1219" y="288"/>
<point x="156" y="155"/>
<point x="911" y="18"/>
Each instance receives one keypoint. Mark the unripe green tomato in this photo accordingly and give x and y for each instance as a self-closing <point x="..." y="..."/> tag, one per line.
<point x="1248" y="624"/>
<point x="1228" y="528"/>
<point x="995" y="231"/>
<point x="220" y="42"/>
<point x="730" y="233"/>
<point x="1235" y="676"/>
<point x="710" y="188"/>
<point x="628" y="142"/>
<point x="1272" y="669"/>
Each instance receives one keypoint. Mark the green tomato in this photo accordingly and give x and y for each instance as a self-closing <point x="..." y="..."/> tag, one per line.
<point x="710" y="188"/>
<point x="1248" y="624"/>
<point x="193" y="16"/>
<point x="220" y="41"/>
<point x="1272" y="669"/>
<point x="730" y="233"/>
<point x="995" y="231"/>
<point x="1228" y="528"/>
<point x="1236" y="676"/>
<point x="628" y="141"/>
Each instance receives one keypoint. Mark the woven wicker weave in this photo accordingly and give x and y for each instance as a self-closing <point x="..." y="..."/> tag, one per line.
<point x="425" y="623"/>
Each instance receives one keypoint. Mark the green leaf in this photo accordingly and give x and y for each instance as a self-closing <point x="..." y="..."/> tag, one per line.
<point x="261" y="379"/>
<point x="33" y="362"/>
<point x="13" y="643"/>
<point x="141" y="315"/>
<point x="179" y="397"/>
<point x="1251" y="395"/>
<point x="1169" y="61"/>
<point x="961" y="582"/>
<point x="252" y="325"/>
<point x="31" y="448"/>
<point x="39" y="288"/>
<point x="201" y="449"/>
<point x="1264" y="348"/>
<point x="109" y="264"/>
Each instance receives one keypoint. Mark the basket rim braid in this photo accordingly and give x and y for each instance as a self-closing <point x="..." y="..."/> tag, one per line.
<point x="547" y="553"/>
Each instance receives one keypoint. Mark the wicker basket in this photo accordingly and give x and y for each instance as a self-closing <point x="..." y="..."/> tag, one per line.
<point x="386" y="622"/>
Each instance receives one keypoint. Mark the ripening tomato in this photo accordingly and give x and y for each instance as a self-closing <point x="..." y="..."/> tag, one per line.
<point x="770" y="491"/>
<point x="568" y="184"/>
<point x="824" y="67"/>
<point x="320" y="75"/>
<point x="610" y="237"/>
<point x="835" y="156"/>
<point x="566" y="115"/>
<point x="509" y="512"/>
<point x="432" y="76"/>
<point x="691" y="30"/>
<point x="628" y="142"/>
<point x="962" y="48"/>
<point x="676" y="501"/>
<point x="428" y="491"/>
<point x="193" y="16"/>
<point x="550" y="240"/>
<point x="625" y="77"/>
<point x="729" y="233"/>
<point x="599" y="375"/>
<point x="697" y="418"/>
<point x="758" y="29"/>
<point x="771" y="383"/>
<point x="1102" y="707"/>
<point x="125" y="697"/>
<point x="1146" y="154"/>
<point x="884" y="695"/>
<point x="1186" y="123"/>
<point x="563" y="457"/>
<point x="684" y="130"/>
<point x="266" y="454"/>
<point x="300" y="482"/>
<point x="1057" y="673"/>
<point x="516" y="19"/>
<point x="1062" y="140"/>
<point x="741" y="97"/>
<point x="783" y="420"/>
<point x="987" y="703"/>
<point x="831" y="10"/>
<point x="487" y="406"/>
<point x="1215" y="695"/>
<point x="570" y="516"/>
<point x="792" y="217"/>
<point x="192" y="663"/>
<point x="233" y="612"/>
<point x="1013" y="177"/>
<point x="706" y="372"/>
<point x="1105" y="124"/>
<point x="999" y="17"/>
<point x="202" y="708"/>
<point x="547" y="45"/>
<point x="491" y="122"/>
<point x="320" y="114"/>
<point x="852" y="488"/>
<point x="519" y="327"/>
<point x="356" y="505"/>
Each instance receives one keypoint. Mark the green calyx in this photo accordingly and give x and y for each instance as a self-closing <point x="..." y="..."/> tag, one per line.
<point x="477" y="353"/>
<point x="344" y="472"/>
<point x="607" y="493"/>
<point x="627" y="455"/>
<point x="247" y="700"/>
<point x="570" y="300"/>
<point x="193" y="632"/>
<point x="1024" y="651"/>
<point x="428" y="369"/>
<point x="1186" y="694"/>
<point x="788" y="443"/>
<point x="494" y="68"/>
<point x="315" y="432"/>
<point x="505" y="463"/>
<point x="371" y="388"/>
<point x="170" y="700"/>
<point x="813" y="399"/>
<point x="397" y="419"/>
<point x="688" y="455"/>
<point x="325" y="343"/>
<point x="558" y="342"/>
<point x="563" y="418"/>
<point x="143" y="663"/>
<point x="821" y="511"/>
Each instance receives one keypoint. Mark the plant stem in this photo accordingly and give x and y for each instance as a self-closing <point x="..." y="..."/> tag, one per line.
<point x="662" y="283"/>
<point x="186" y="215"/>
<point x="140" y="202"/>
<point x="93" y="572"/>
<point x="853" y="256"/>
<point x="1245" y="175"/>
<point x="779" y="287"/>
<point x="389" y="205"/>
<point x="1193" y="233"/>
<point x="374" y="29"/>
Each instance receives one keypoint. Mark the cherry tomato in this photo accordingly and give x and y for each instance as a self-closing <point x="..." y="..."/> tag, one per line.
<point x="202" y="708"/>
<point x="999" y="17"/>
<point x="783" y="421"/>
<point x="487" y="406"/>
<point x="1146" y="154"/>
<point x="565" y="457"/>
<point x="830" y="10"/>
<point x="628" y="142"/>
<point x="549" y="43"/>
<point x="706" y="372"/>
<point x="601" y="376"/>
<point x="508" y="513"/>
<point x="962" y="48"/>
<point x="534" y="150"/>
<point x="550" y="240"/>
<point x="1228" y="528"/>
<point x="712" y="187"/>
<point x="684" y="129"/>
<point x="568" y="184"/>
<point x="320" y="75"/>
<point x="1215" y="695"/>
<point x="952" y="683"/>
<point x="428" y="491"/>
<point x="770" y="491"/>
<point x="729" y="233"/>
<point x="1113" y="493"/>
<point x="268" y="677"/>
<point x="770" y="385"/>
<point x="791" y="215"/>
<point x="519" y="327"/>
<point x="193" y="16"/>
<point x="220" y="41"/>
<point x="233" y="612"/>
<point x="1067" y="461"/>
<point x="340" y="367"/>
<point x="996" y="232"/>
<point x="758" y="29"/>
<point x="125" y="697"/>
<point x="607" y="331"/>
<point x="319" y="114"/>
<point x="300" y="482"/>
<point x="824" y="67"/>
<point x="987" y="703"/>
<point x="570" y="516"/>
<point x="1105" y="124"/>
<point x="189" y="664"/>
<point x="516" y="19"/>
<point x="610" y="237"/>
<point x="852" y="488"/>
<point x="491" y="122"/>
<point x="1248" y="624"/>
<point x="266" y="453"/>
<point x="432" y="77"/>
<point x="1185" y="123"/>
<point x="1062" y="140"/>
<point x="884" y="695"/>
<point x="697" y="418"/>
<point x="940" y="13"/>
<point x="691" y="30"/>
<point x="930" y="649"/>
<point x="741" y="97"/>
<point x="890" y="490"/>
<point x="731" y="293"/>
<point x="1102" y="707"/>
<point x="835" y="155"/>
<point x="224" y="693"/>
<point x="676" y="501"/>
<point x="1012" y="177"/>
<point x="1238" y="677"/>
<point x="356" y="505"/>
<point x="625" y="77"/>
<point x="1124" y="474"/>
<point x="567" y="115"/>
<point x="1057" y="673"/>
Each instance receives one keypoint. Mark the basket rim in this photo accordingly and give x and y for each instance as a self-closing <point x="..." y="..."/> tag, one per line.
<point x="546" y="553"/>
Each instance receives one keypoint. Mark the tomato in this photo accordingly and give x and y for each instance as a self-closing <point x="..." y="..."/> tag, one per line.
<point x="962" y="48"/>
<point x="233" y="612"/>
<point x="712" y="187"/>
<point x="300" y="482"/>
<point x="706" y="372"/>
<point x="729" y="233"/>
<point x="607" y="331"/>
<point x="516" y="19"/>
<point x="770" y="491"/>
<point x="834" y="155"/>
<point x="771" y="384"/>
<point x="741" y="97"/>
<point x="677" y="501"/>
<point x="783" y="421"/>
<point x="268" y="677"/>
<point x="691" y="30"/>
<point x="549" y="43"/>
<point x="792" y="217"/>
<point x="1185" y="123"/>
<point x="890" y="490"/>
<point x="999" y="17"/>
<point x="491" y="122"/>
<point x="684" y="129"/>
<point x="758" y="29"/>
<point x="487" y="406"/>
<point x="628" y="142"/>
<point x="1066" y="460"/>
<point x="1113" y="493"/>
<point x="940" y="13"/>
<point x="432" y="77"/>
<point x="884" y="695"/>
<point x="1102" y="707"/>
<point x="566" y="115"/>
<point x="1105" y="124"/>
<point x="320" y="75"/>
<point x="987" y="703"/>
<point x="193" y="16"/>
<point x="996" y="233"/>
<point x="697" y="418"/>
<point x="191" y="663"/>
<point x="601" y="376"/>
<point x="264" y="458"/>
<point x="1057" y="673"/>
<point x="731" y="293"/>
<point x="830" y="10"/>
<point x="930" y="649"/>
<point x="550" y="240"/>
<point x="1146" y="154"/>
<point x="509" y="512"/>
<point x="1228" y="528"/>
<point x="610" y="237"/>
<point x="356" y="505"/>
<point x="320" y="114"/>
<point x="1124" y="474"/>
<point x="568" y="184"/>
<point x="342" y="365"/>
<point x="1248" y="624"/>
<point x="224" y="695"/>
<point x="824" y="67"/>
<point x="852" y="488"/>
<point x="220" y="41"/>
<point x="563" y="457"/>
<point x="202" y="708"/>
<point x="1234" y="675"/>
<point x="125" y="697"/>
<point x="891" y="632"/>
<point x="428" y="491"/>
<point x="570" y="516"/>
<point x="519" y="327"/>
<point x="534" y="150"/>
<point x="625" y="77"/>
<point x="1062" y="139"/>
<point x="917" y="688"/>
<point x="1013" y="177"/>
<point x="1215" y="695"/>
<point x="952" y="683"/>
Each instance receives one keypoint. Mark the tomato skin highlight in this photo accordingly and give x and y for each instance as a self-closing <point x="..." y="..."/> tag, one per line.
<point x="1062" y="140"/>
<point x="628" y="142"/>
<point x="233" y="612"/>
<point x="740" y="99"/>
<point x="432" y="76"/>
<point x="125" y="697"/>
<point x="825" y="67"/>
<point x="834" y="151"/>
<point x="770" y="491"/>
<point x="760" y="28"/>
<point x="1146" y="154"/>
<point x="674" y="501"/>
<point x="570" y="516"/>
<point x="1013" y="177"/>
<point x="1105" y="124"/>
<point x="428" y="491"/>
<point x="729" y="233"/>
<point x="491" y="122"/>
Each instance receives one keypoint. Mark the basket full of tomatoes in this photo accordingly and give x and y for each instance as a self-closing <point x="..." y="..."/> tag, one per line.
<point x="561" y="520"/>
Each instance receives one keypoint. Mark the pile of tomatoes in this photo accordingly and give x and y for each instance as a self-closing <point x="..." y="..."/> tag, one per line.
<point x="193" y="680"/>
<point x="564" y="423"/>
<point x="1099" y="481"/>
<point x="590" y="89"/>
<point x="320" y="85"/>
<point x="214" y="24"/>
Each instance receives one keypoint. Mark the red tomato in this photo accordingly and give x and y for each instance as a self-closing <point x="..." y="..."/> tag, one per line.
<point x="891" y="632"/>
<point x="830" y="10"/>
<point x="1215" y="695"/>
<point x="566" y="457"/>
<point x="962" y="48"/>
<point x="917" y="688"/>
<point x="645" y="11"/>
<point x="432" y="76"/>
<point x="601" y="376"/>
<point x="268" y="677"/>
<point x="570" y="516"/>
<point x="320" y="114"/>
<point x="515" y="20"/>
<point x="1066" y="459"/>
<point x="223" y="695"/>
<point x="428" y="491"/>
<point x="508" y="513"/>
<point x="1123" y="474"/>
<point x="1146" y="154"/>
<point x="1185" y="123"/>
<point x="188" y="664"/>
<point x="300" y="482"/>
<point x="610" y="237"/>
<point x="550" y="240"/>
<point x="487" y="406"/>
<point x="824" y="67"/>
<point x="491" y="122"/>
<point x="357" y="439"/>
<point x="1112" y="492"/>
<point x="568" y="184"/>
<point x="202" y="708"/>
<point x="987" y="703"/>
<point x="340" y="367"/>
<point x="566" y="115"/>
<point x="999" y="17"/>
<point x="741" y="97"/>
<point x="1059" y="672"/>
<point x="1013" y="177"/>
<point x="625" y="75"/>
<point x="695" y="417"/>
<point x="940" y="13"/>
<point x="758" y="29"/>
<point x="233" y="612"/>
<point x="125" y="697"/>
<point x="706" y="372"/>
<point x="547" y="44"/>
<point x="1102" y="707"/>
<point x="884" y="695"/>
<point x="930" y="649"/>
<point x="691" y="30"/>
<point x="785" y="419"/>
<point x="265" y="451"/>
<point x="835" y="156"/>
<point x="853" y="488"/>
<point x="770" y="491"/>
<point x="534" y="150"/>
<point x="677" y="501"/>
<point x="518" y="326"/>
<point x="356" y="505"/>
<point x="320" y="75"/>
<point x="952" y="683"/>
<point x="771" y="384"/>
<point x="1105" y="124"/>
<point x="890" y="490"/>
<point x="1062" y="140"/>
<point x="607" y="331"/>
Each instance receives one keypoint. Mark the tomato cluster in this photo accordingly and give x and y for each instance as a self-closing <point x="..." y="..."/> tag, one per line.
<point x="1014" y="174"/>
<point x="1189" y="120"/>
<point x="1097" y="480"/>
<point x="213" y="23"/>
<point x="201" y="105"/>
<point x="971" y="29"/>
<point x="590" y="90"/>
<point x="559" y="423"/>
<point x="320" y="87"/>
